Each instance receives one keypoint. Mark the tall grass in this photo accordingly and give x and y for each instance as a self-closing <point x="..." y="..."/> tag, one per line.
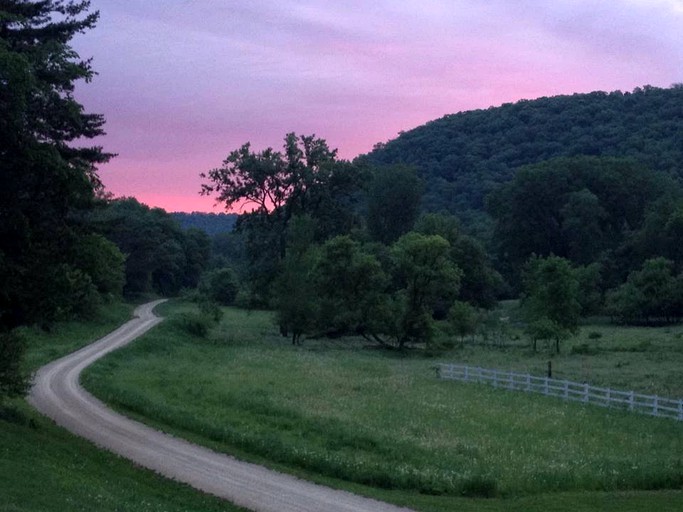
<point x="358" y="414"/>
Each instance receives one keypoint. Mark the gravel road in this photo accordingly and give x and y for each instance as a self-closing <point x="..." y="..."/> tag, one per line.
<point x="57" y="394"/>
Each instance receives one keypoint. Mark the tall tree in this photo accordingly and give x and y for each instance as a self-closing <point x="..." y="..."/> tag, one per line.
<point x="304" y="179"/>
<point x="45" y="176"/>
<point x="551" y="300"/>
<point x="426" y="277"/>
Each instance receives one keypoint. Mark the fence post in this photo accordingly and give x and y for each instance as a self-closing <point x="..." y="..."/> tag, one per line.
<point x="467" y="376"/>
<point x="608" y="397"/>
<point x="630" y="401"/>
<point x="566" y="389"/>
<point x="585" y="392"/>
<point x="495" y="378"/>
<point x="655" y="406"/>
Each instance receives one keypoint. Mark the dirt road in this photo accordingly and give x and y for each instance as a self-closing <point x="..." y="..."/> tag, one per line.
<point x="57" y="393"/>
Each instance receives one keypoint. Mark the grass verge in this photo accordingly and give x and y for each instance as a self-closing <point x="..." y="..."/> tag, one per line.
<point x="45" y="468"/>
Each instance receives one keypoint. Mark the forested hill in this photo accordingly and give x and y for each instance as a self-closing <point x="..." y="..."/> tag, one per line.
<point x="211" y="223"/>
<point x="463" y="156"/>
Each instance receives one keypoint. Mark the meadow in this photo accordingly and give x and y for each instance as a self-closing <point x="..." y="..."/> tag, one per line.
<point x="45" y="468"/>
<point x="380" y="423"/>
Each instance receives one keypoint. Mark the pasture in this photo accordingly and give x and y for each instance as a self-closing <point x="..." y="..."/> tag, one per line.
<point x="380" y="423"/>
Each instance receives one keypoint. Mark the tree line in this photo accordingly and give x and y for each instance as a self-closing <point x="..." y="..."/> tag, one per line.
<point x="464" y="157"/>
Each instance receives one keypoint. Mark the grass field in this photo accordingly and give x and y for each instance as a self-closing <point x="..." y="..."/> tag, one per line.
<point x="380" y="423"/>
<point x="43" y="468"/>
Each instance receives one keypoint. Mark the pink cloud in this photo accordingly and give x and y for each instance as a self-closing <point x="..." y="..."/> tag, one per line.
<point x="182" y="83"/>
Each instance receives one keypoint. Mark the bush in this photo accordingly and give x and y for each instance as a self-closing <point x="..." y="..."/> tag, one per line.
<point x="220" y="285"/>
<point x="196" y="324"/>
<point x="13" y="382"/>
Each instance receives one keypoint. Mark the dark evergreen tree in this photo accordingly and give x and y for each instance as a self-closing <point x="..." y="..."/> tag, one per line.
<point x="45" y="178"/>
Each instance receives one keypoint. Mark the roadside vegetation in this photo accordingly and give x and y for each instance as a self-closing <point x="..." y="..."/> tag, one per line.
<point x="380" y="422"/>
<point x="45" y="468"/>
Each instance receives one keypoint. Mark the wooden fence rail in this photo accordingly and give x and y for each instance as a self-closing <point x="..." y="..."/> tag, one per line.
<point x="580" y="392"/>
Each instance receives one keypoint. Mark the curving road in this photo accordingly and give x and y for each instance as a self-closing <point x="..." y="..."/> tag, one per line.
<point x="57" y="393"/>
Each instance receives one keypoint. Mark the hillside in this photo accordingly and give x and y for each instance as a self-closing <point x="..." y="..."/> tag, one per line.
<point x="211" y="223"/>
<point x="464" y="156"/>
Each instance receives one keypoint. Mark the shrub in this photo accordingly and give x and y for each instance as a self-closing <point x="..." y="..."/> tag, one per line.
<point x="196" y="324"/>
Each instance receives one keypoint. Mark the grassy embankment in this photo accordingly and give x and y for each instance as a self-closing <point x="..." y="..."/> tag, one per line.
<point x="381" y="424"/>
<point x="44" y="468"/>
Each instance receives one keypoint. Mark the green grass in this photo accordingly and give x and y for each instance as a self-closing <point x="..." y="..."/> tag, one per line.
<point x="45" y="468"/>
<point x="643" y="359"/>
<point x="381" y="424"/>
<point x="66" y="337"/>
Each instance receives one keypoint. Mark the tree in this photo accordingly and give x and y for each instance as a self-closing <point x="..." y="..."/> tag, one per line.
<point x="649" y="294"/>
<point x="48" y="173"/>
<point x="160" y="257"/>
<point x="425" y="276"/>
<point x="551" y="298"/>
<point x="394" y="196"/>
<point x="583" y="208"/>
<point x="462" y="318"/>
<point x="304" y="179"/>
<point x="480" y="282"/>
<point x="296" y="303"/>
<point x="351" y="287"/>
<point x="220" y="286"/>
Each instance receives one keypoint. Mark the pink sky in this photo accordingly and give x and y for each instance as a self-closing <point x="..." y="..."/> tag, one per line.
<point x="183" y="82"/>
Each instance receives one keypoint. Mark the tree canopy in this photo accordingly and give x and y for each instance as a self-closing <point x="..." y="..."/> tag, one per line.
<point x="465" y="156"/>
<point x="48" y="173"/>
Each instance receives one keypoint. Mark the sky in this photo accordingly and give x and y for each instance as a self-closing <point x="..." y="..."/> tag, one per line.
<point x="182" y="83"/>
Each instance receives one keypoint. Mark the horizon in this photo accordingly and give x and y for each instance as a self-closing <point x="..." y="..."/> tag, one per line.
<point x="182" y="83"/>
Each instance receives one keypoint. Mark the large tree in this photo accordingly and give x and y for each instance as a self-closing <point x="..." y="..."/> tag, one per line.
<point x="275" y="186"/>
<point x="551" y="299"/>
<point x="46" y="177"/>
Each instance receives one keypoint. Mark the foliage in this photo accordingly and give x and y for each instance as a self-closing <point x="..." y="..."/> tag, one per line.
<point x="48" y="170"/>
<point x="13" y="380"/>
<point x="462" y="319"/>
<point x="394" y="194"/>
<point x="212" y="224"/>
<point x="425" y="277"/>
<point x="583" y="209"/>
<point x="295" y="301"/>
<point x="652" y="293"/>
<point x="304" y="179"/>
<point x="351" y="289"/>
<point x="160" y="257"/>
<point x="103" y="262"/>
<point x="463" y="157"/>
<point x="480" y="283"/>
<point x="551" y="299"/>
<point x="220" y="286"/>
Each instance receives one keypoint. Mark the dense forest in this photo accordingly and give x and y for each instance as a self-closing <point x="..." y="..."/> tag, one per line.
<point x="463" y="157"/>
<point x="210" y="223"/>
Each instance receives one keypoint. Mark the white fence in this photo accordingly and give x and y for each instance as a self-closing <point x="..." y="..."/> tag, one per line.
<point x="565" y="389"/>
